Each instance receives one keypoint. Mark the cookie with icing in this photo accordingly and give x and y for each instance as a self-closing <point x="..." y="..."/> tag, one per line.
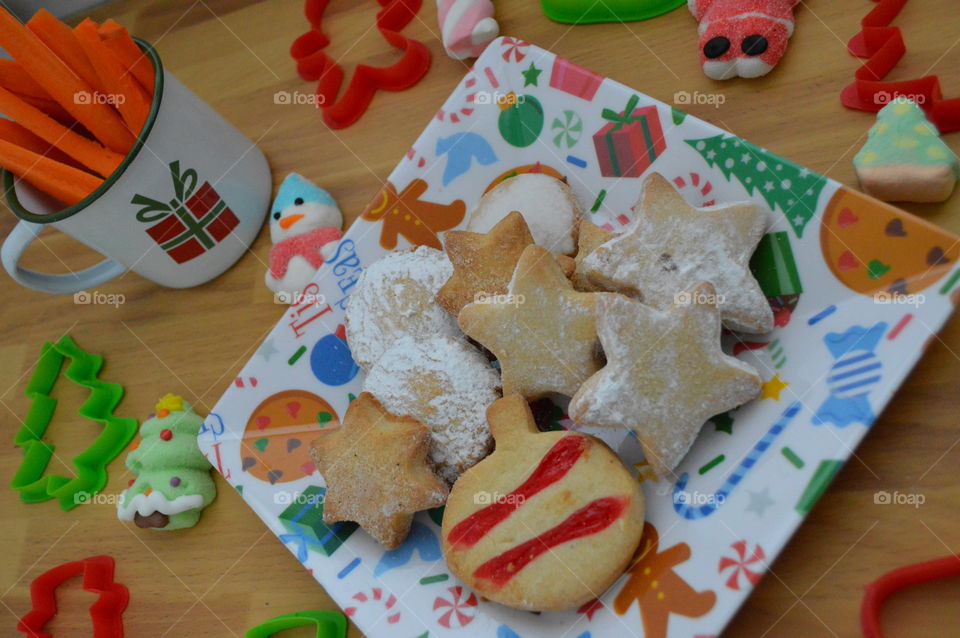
<point x="446" y="384"/>
<point x="665" y="374"/>
<point x="376" y="471"/>
<point x="670" y="246"/>
<point x="546" y="522"/>
<point x="394" y="298"/>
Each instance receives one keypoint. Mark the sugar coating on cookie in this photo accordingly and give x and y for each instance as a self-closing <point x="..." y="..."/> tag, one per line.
<point x="395" y="297"/>
<point x="665" y="375"/>
<point x="446" y="384"/>
<point x="548" y="205"/>
<point x="671" y="245"/>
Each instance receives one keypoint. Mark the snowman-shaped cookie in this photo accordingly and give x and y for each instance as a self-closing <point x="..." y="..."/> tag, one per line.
<point x="305" y="227"/>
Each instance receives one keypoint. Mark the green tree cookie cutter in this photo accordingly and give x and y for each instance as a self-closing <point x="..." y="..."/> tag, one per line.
<point x="31" y="480"/>
<point x="329" y="624"/>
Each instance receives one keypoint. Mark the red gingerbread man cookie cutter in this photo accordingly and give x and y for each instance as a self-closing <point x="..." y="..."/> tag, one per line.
<point x="313" y="64"/>
<point x="106" y="613"/>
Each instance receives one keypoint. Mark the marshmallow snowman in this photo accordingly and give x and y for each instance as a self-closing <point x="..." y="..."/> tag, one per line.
<point x="305" y="227"/>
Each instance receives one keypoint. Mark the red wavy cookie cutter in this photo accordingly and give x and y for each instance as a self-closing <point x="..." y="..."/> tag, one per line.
<point x="106" y="612"/>
<point x="314" y="64"/>
<point x="883" y="46"/>
<point x="879" y="590"/>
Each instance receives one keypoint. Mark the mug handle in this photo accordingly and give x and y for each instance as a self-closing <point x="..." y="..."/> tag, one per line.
<point x="21" y="237"/>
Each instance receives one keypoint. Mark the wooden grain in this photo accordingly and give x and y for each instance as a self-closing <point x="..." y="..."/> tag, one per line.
<point x="230" y="573"/>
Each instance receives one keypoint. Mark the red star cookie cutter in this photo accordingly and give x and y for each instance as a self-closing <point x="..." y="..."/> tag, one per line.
<point x="106" y="612"/>
<point x="882" y="45"/>
<point x="880" y="589"/>
<point x="313" y="64"/>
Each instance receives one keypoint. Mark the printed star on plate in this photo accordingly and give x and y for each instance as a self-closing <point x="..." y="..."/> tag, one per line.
<point x="542" y="331"/>
<point x="483" y="263"/>
<point x="665" y="374"/>
<point x="671" y="246"/>
<point x="376" y="470"/>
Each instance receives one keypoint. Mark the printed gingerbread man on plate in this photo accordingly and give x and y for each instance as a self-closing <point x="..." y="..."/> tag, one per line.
<point x="405" y="214"/>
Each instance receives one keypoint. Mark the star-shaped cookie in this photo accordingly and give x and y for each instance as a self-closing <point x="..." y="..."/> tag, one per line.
<point x="483" y="263"/>
<point x="671" y="246"/>
<point x="590" y="237"/>
<point x="376" y="470"/>
<point x="665" y="373"/>
<point x="542" y="331"/>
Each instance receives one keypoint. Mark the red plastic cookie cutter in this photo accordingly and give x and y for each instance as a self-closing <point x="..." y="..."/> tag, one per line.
<point x="883" y="46"/>
<point x="106" y="613"/>
<point x="880" y="589"/>
<point x="314" y="64"/>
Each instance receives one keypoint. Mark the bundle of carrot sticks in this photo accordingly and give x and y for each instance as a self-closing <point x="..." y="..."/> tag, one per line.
<point x="76" y="99"/>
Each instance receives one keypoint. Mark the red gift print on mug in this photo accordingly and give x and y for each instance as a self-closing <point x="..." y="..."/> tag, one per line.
<point x="192" y="222"/>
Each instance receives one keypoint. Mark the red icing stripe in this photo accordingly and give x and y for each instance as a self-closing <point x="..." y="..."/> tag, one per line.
<point x="594" y="517"/>
<point x="552" y="467"/>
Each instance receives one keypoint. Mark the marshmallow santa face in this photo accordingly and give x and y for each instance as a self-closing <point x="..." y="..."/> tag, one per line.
<point x="742" y="38"/>
<point x="300" y="207"/>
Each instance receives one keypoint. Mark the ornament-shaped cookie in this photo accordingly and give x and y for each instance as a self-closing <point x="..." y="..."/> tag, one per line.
<point x="665" y="374"/>
<point x="546" y="522"/>
<point x="395" y="297"/>
<point x="542" y="331"/>
<point x="671" y="246"/>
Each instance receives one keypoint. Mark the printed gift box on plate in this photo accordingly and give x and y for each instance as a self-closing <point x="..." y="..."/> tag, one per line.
<point x="631" y="142"/>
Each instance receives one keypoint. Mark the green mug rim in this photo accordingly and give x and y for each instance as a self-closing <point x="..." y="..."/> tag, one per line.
<point x="10" y="193"/>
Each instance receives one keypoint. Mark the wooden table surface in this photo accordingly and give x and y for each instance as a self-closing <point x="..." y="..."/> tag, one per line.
<point x="230" y="573"/>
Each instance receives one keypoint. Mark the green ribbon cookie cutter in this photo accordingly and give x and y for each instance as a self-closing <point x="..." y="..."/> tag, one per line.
<point x="329" y="624"/>
<point x="34" y="485"/>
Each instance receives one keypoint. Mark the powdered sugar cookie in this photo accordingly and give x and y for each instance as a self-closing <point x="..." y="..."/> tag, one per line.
<point x="395" y="298"/>
<point x="542" y="331"/>
<point x="589" y="238"/>
<point x="665" y="373"/>
<point x="671" y="246"/>
<point x="549" y="207"/>
<point x="548" y="521"/>
<point x="446" y="384"/>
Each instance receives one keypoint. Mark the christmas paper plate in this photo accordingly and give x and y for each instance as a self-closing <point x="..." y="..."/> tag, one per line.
<point x="858" y="288"/>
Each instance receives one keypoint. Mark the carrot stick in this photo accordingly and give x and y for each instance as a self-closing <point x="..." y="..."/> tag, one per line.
<point x="60" y="39"/>
<point x="118" y="40"/>
<point x="51" y="108"/>
<point x="65" y="183"/>
<point x="62" y="84"/>
<point x="86" y="151"/>
<point x="130" y="98"/>
<point x="14" y="78"/>
<point x="12" y="132"/>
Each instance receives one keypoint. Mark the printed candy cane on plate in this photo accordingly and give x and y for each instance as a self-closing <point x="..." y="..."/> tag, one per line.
<point x="681" y="500"/>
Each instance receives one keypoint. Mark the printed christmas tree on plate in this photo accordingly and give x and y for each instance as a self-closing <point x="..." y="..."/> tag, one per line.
<point x="173" y="481"/>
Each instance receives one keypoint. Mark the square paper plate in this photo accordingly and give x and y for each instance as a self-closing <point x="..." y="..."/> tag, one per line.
<point x="858" y="288"/>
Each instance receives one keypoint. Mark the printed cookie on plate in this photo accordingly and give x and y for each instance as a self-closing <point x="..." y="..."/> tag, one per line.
<point x="376" y="470"/>
<point x="446" y="384"/>
<point x="671" y="246"/>
<point x="548" y="205"/>
<point x="546" y="522"/>
<point x="665" y="373"/>
<point x="173" y="482"/>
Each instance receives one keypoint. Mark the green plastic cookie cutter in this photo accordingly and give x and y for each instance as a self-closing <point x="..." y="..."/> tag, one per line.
<point x="591" y="11"/>
<point x="31" y="480"/>
<point x="330" y="624"/>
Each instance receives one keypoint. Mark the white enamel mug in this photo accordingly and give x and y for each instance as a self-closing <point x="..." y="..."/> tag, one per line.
<point x="184" y="205"/>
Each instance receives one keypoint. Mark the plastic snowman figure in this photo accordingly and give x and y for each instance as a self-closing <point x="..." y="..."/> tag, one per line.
<point x="305" y="227"/>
